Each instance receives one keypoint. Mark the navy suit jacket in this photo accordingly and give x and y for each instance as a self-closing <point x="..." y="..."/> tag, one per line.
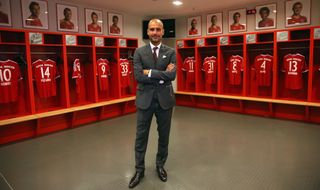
<point x="149" y="88"/>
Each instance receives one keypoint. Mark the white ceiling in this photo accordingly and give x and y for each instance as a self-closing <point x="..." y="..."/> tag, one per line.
<point x="165" y="7"/>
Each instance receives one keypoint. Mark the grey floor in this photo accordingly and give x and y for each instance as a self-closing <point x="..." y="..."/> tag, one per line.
<point x="208" y="150"/>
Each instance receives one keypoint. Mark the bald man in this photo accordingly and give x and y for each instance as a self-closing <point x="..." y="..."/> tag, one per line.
<point x="154" y="69"/>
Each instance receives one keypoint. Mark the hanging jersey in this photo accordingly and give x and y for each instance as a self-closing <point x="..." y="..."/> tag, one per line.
<point x="77" y="74"/>
<point x="45" y="73"/>
<point x="262" y="68"/>
<point x="9" y="77"/>
<point x="188" y="67"/>
<point x="125" y="70"/>
<point x="234" y="67"/>
<point x="103" y="74"/>
<point x="209" y="66"/>
<point x="293" y="66"/>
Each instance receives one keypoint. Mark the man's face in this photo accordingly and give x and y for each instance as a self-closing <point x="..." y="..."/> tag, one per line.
<point x="115" y="20"/>
<point x="94" y="18"/>
<point x="68" y="15"/>
<point x="213" y="19"/>
<point x="236" y="18"/>
<point x="297" y="9"/>
<point x="194" y="23"/>
<point x="264" y="14"/>
<point x="155" y="32"/>
<point x="35" y="10"/>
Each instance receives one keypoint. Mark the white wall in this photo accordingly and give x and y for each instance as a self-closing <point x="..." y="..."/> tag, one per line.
<point x="132" y="26"/>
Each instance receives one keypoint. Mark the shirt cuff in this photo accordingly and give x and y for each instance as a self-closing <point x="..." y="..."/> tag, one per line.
<point x="149" y="74"/>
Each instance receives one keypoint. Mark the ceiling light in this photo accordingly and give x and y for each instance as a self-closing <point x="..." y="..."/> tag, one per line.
<point x="177" y="2"/>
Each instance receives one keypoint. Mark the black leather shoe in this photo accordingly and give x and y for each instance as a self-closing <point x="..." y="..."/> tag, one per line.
<point x="162" y="174"/>
<point x="135" y="180"/>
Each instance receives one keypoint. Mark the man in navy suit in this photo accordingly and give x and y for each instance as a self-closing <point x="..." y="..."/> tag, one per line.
<point x="154" y="69"/>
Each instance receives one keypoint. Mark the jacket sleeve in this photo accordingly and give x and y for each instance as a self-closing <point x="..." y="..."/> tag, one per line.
<point x="138" y="69"/>
<point x="166" y="75"/>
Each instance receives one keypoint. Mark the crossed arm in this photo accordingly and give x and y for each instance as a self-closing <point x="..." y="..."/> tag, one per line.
<point x="141" y="75"/>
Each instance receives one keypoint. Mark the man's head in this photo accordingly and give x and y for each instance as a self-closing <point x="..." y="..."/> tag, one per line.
<point x="296" y="8"/>
<point x="94" y="17"/>
<point x="155" y="31"/>
<point x="115" y="19"/>
<point x="264" y="12"/>
<point x="67" y="13"/>
<point x="214" y="19"/>
<point x="236" y="17"/>
<point x="34" y="8"/>
<point x="194" y="23"/>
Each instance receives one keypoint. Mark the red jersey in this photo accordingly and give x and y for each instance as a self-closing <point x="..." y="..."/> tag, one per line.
<point x="103" y="74"/>
<point x="293" y="66"/>
<point x="263" y="67"/>
<point x="66" y="24"/>
<point x="77" y="74"/>
<point x="94" y="28"/>
<point x="9" y="77"/>
<point x="114" y="29"/>
<point x="210" y="68"/>
<point x="237" y="27"/>
<point x="188" y="67"/>
<point x="45" y="73"/>
<point x="297" y="19"/>
<point x="266" y="23"/>
<point x="213" y="29"/>
<point x="234" y="67"/>
<point x="33" y="22"/>
<point x="193" y="31"/>
<point x="125" y="73"/>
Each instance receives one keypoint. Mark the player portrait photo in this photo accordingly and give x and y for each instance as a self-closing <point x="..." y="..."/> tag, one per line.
<point x="34" y="14"/>
<point x="67" y="18"/>
<point x="237" y="20"/>
<point x="297" y="13"/>
<point x="93" y="21"/>
<point x="194" y="26"/>
<point x="214" y="23"/>
<point x="5" y="14"/>
<point x="266" y="16"/>
<point x="115" y="22"/>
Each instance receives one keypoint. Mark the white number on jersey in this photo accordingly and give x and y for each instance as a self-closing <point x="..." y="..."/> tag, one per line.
<point x="124" y="69"/>
<point x="103" y="68"/>
<point x="191" y="65"/>
<point x="234" y="66"/>
<point x="46" y="73"/>
<point x="293" y="66"/>
<point x="5" y="75"/>
<point x="263" y="66"/>
<point x="210" y="65"/>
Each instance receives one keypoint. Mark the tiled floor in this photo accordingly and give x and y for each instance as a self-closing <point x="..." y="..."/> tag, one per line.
<point x="208" y="151"/>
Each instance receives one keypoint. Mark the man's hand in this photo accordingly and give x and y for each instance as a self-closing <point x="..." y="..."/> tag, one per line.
<point x="170" y="67"/>
<point x="146" y="71"/>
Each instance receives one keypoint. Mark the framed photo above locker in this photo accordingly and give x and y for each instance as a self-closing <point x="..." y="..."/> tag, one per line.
<point x="34" y="14"/>
<point x="297" y="13"/>
<point x="94" y="21"/>
<point x="237" y="20"/>
<point x="67" y="18"/>
<point x="266" y="16"/>
<point x="194" y="26"/>
<point x="5" y="13"/>
<point x="214" y="23"/>
<point x="115" y="22"/>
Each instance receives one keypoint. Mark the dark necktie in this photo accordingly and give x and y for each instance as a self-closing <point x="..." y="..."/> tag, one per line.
<point x="154" y="54"/>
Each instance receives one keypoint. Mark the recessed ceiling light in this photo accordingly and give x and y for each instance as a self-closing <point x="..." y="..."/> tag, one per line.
<point x="177" y="2"/>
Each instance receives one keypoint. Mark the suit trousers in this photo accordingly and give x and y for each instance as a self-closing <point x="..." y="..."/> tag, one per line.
<point x="144" y="118"/>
